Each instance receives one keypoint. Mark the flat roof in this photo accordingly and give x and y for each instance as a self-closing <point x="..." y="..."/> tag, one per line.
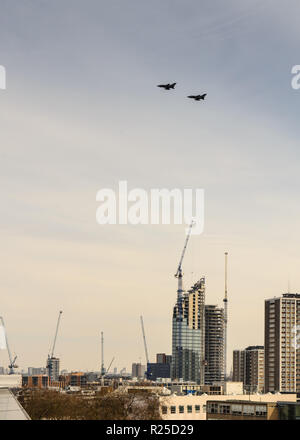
<point x="244" y="402"/>
<point x="10" y="408"/>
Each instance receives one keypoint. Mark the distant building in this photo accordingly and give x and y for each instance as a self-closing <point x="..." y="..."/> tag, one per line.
<point x="282" y="348"/>
<point x="53" y="369"/>
<point x="163" y="358"/>
<point x="36" y="381"/>
<point x="92" y="376"/>
<point x="158" y="370"/>
<point x="214" y="344"/>
<point x="188" y="334"/>
<point x="161" y="369"/>
<point x="75" y="379"/>
<point x="248" y="367"/>
<point x="238" y="371"/>
<point x="36" y="371"/>
<point x="138" y="370"/>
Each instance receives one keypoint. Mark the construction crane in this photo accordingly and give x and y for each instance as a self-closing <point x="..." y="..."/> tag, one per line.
<point x="178" y="274"/>
<point x="51" y="354"/>
<point x="148" y="373"/>
<point x="225" y="300"/>
<point x="102" y="355"/>
<point x="144" y="338"/>
<point x="109" y="366"/>
<point x="12" y="362"/>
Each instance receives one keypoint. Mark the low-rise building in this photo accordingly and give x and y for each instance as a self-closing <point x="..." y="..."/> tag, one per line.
<point x="192" y="407"/>
<point x="10" y="408"/>
<point x="241" y="410"/>
<point x="36" y="381"/>
<point x="158" y="371"/>
<point x="289" y="410"/>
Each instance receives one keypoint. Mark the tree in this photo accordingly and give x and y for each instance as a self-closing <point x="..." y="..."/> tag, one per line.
<point x="53" y="405"/>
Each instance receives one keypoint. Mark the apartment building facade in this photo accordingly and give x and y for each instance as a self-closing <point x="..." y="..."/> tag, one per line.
<point x="188" y="335"/>
<point x="248" y="367"/>
<point x="282" y="349"/>
<point x="214" y="344"/>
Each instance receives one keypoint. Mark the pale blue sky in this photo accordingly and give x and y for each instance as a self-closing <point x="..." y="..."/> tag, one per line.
<point x="82" y="111"/>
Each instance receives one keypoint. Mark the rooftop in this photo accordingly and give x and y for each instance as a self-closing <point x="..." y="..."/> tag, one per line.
<point x="10" y="408"/>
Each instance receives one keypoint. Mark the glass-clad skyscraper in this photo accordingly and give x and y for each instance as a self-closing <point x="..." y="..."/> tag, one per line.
<point x="188" y="334"/>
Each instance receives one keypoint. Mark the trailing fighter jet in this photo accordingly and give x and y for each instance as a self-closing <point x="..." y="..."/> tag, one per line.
<point x="198" y="97"/>
<point x="167" y="86"/>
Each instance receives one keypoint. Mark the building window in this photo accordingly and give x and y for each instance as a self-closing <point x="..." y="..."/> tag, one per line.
<point x="248" y="410"/>
<point x="181" y="409"/>
<point x="173" y="409"/>
<point x="197" y="408"/>
<point x="189" y="408"/>
<point x="224" y="409"/>
<point x="261" y="410"/>
<point x="165" y="410"/>
<point x="236" y="409"/>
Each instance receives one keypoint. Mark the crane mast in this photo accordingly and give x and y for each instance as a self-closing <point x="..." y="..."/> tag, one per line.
<point x="225" y="300"/>
<point x="179" y="269"/>
<point x="12" y="362"/>
<point x="148" y="373"/>
<point x="51" y="355"/>
<point x="144" y="338"/>
<point x="109" y="366"/>
<point x="102" y="355"/>
<point x="56" y="331"/>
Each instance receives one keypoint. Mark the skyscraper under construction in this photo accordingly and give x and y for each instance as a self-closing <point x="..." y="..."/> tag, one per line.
<point x="198" y="332"/>
<point x="188" y="334"/>
<point x="214" y="344"/>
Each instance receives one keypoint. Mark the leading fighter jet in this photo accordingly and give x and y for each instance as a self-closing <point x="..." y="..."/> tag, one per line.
<point x="198" y="97"/>
<point x="167" y="86"/>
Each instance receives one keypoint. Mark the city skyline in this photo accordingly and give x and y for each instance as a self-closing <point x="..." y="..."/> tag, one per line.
<point x="81" y="111"/>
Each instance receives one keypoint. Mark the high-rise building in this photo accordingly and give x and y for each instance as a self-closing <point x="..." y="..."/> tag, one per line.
<point x="53" y="368"/>
<point x="138" y="370"/>
<point x="163" y="358"/>
<point x="282" y="349"/>
<point x="214" y="344"/>
<point x="248" y="367"/>
<point x="168" y="359"/>
<point x="238" y="366"/>
<point x="188" y="334"/>
<point x="254" y="369"/>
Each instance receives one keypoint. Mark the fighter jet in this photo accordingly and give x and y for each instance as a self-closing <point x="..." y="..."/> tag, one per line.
<point x="167" y="86"/>
<point x="198" y="97"/>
